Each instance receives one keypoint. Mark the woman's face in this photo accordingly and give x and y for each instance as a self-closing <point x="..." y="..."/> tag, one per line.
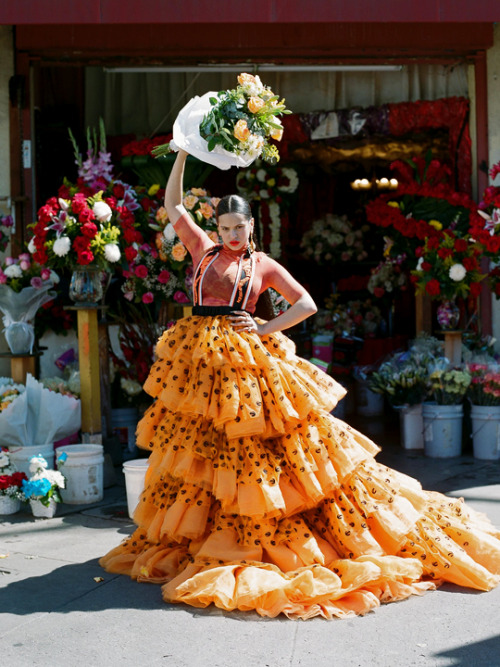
<point x="235" y="230"/>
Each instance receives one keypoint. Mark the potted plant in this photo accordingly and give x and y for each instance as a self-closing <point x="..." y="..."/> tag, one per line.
<point x="484" y="395"/>
<point x="11" y="482"/>
<point x="42" y="488"/>
<point x="443" y="415"/>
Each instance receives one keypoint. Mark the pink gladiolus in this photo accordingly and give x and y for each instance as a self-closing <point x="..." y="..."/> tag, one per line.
<point x="147" y="297"/>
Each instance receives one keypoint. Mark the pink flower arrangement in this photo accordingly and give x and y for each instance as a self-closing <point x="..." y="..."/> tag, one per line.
<point x="484" y="388"/>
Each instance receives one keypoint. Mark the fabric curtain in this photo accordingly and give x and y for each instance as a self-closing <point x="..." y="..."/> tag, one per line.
<point x="145" y="104"/>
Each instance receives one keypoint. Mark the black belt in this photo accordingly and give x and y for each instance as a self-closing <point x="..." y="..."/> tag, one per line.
<point x="211" y="311"/>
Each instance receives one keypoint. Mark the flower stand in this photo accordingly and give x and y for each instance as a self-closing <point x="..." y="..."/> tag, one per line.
<point x="486" y="431"/>
<point x="39" y="510"/>
<point x="9" y="505"/>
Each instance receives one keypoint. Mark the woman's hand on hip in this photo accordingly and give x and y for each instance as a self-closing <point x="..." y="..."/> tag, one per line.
<point x="243" y="322"/>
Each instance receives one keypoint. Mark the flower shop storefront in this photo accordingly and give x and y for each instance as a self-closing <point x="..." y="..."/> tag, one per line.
<point x="343" y="209"/>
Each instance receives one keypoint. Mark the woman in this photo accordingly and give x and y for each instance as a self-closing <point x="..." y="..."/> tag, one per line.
<point x="256" y="497"/>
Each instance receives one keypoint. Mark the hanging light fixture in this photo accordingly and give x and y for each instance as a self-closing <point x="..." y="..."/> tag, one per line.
<point x="375" y="184"/>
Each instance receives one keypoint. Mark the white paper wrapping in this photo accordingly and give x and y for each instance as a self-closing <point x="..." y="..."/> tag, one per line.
<point x="186" y="135"/>
<point x="39" y="416"/>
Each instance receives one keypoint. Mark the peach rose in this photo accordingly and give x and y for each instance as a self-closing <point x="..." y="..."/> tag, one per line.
<point x="277" y="134"/>
<point x="245" y="79"/>
<point x="179" y="252"/>
<point x="206" y="210"/>
<point x="190" y="201"/>
<point x="199" y="192"/>
<point x="241" y="131"/>
<point x="161" y="215"/>
<point x="255" y="104"/>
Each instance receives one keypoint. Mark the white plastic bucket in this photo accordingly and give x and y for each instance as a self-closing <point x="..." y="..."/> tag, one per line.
<point x="442" y="430"/>
<point x="83" y="470"/>
<point x="135" y="473"/>
<point x="20" y="456"/>
<point x="124" y="422"/>
<point x="486" y="431"/>
<point x="411" y="426"/>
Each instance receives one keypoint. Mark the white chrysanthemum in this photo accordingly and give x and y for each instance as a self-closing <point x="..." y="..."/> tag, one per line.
<point x="112" y="252"/>
<point x="169" y="232"/>
<point x="4" y="460"/>
<point x="102" y="211"/>
<point x="130" y="387"/>
<point x="13" y="271"/>
<point x="261" y="175"/>
<point x="62" y="246"/>
<point x="55" y="477"/>
<point x="37" y="464"/>
<point x="457" y="272"/>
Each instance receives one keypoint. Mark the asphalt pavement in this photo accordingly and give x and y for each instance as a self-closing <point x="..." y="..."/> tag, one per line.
<point x="59" y="608"/>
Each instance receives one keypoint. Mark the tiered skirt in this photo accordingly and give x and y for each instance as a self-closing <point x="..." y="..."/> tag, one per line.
<point x="257" y="498"/>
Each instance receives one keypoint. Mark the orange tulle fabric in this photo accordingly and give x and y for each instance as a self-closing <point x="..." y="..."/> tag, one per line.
<point x="257" y="498"/>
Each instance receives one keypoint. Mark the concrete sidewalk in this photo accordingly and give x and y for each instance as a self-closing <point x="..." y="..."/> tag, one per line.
<point x="59" y="608"/>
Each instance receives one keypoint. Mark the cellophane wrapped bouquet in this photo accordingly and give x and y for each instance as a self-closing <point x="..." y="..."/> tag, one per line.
<point x="236" y="125"/>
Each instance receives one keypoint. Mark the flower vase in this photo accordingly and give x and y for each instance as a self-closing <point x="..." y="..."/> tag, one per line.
<point x="9" y="505"/>
<point x="448" y="315"/>
<point x="40" y="510"/>
<point x="86" y="286"/>
<point x="20" y="337"/>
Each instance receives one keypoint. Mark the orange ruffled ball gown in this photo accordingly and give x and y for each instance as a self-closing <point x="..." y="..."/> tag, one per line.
<point x="256" y="497"/>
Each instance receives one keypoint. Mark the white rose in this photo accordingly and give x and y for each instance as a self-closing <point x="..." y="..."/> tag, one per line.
<point x="102" y="211"/>
<point x="457" y="272"/>
<point x="112" y="252"/>
<point x="4" y="460"/>
<point x="169" y="232"/>
<point x="61" y="246"/>
<point x="13" y="271"/>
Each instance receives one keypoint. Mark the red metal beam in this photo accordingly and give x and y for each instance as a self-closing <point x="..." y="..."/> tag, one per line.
<point x="25" y="12"/>
<point x="158" y="44"/>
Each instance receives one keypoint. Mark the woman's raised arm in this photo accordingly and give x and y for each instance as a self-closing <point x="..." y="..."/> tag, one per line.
<point x="174" y="191"/>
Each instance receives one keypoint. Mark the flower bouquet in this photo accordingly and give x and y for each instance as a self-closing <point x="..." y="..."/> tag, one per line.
<point x="91" y="222"/>
<point x="164" y="271"/>
<point x="403" y="379"/>
<point x="332" y="239"/>
<point x="231" y="127"/>
<point x="35" y="415"/>
<point x="42" y="488"/>
<point x="484" y="388"/>
<point x="388" y="277"/>
<point x="435" y="226"/>
<point x="24" y="287"/>
<point x="11" y="482"/>
<point x="448" y="386"/>
<point x="358" y="318"/>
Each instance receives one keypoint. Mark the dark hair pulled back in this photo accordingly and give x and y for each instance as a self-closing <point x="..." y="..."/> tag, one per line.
<point x="234" y="204"/>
